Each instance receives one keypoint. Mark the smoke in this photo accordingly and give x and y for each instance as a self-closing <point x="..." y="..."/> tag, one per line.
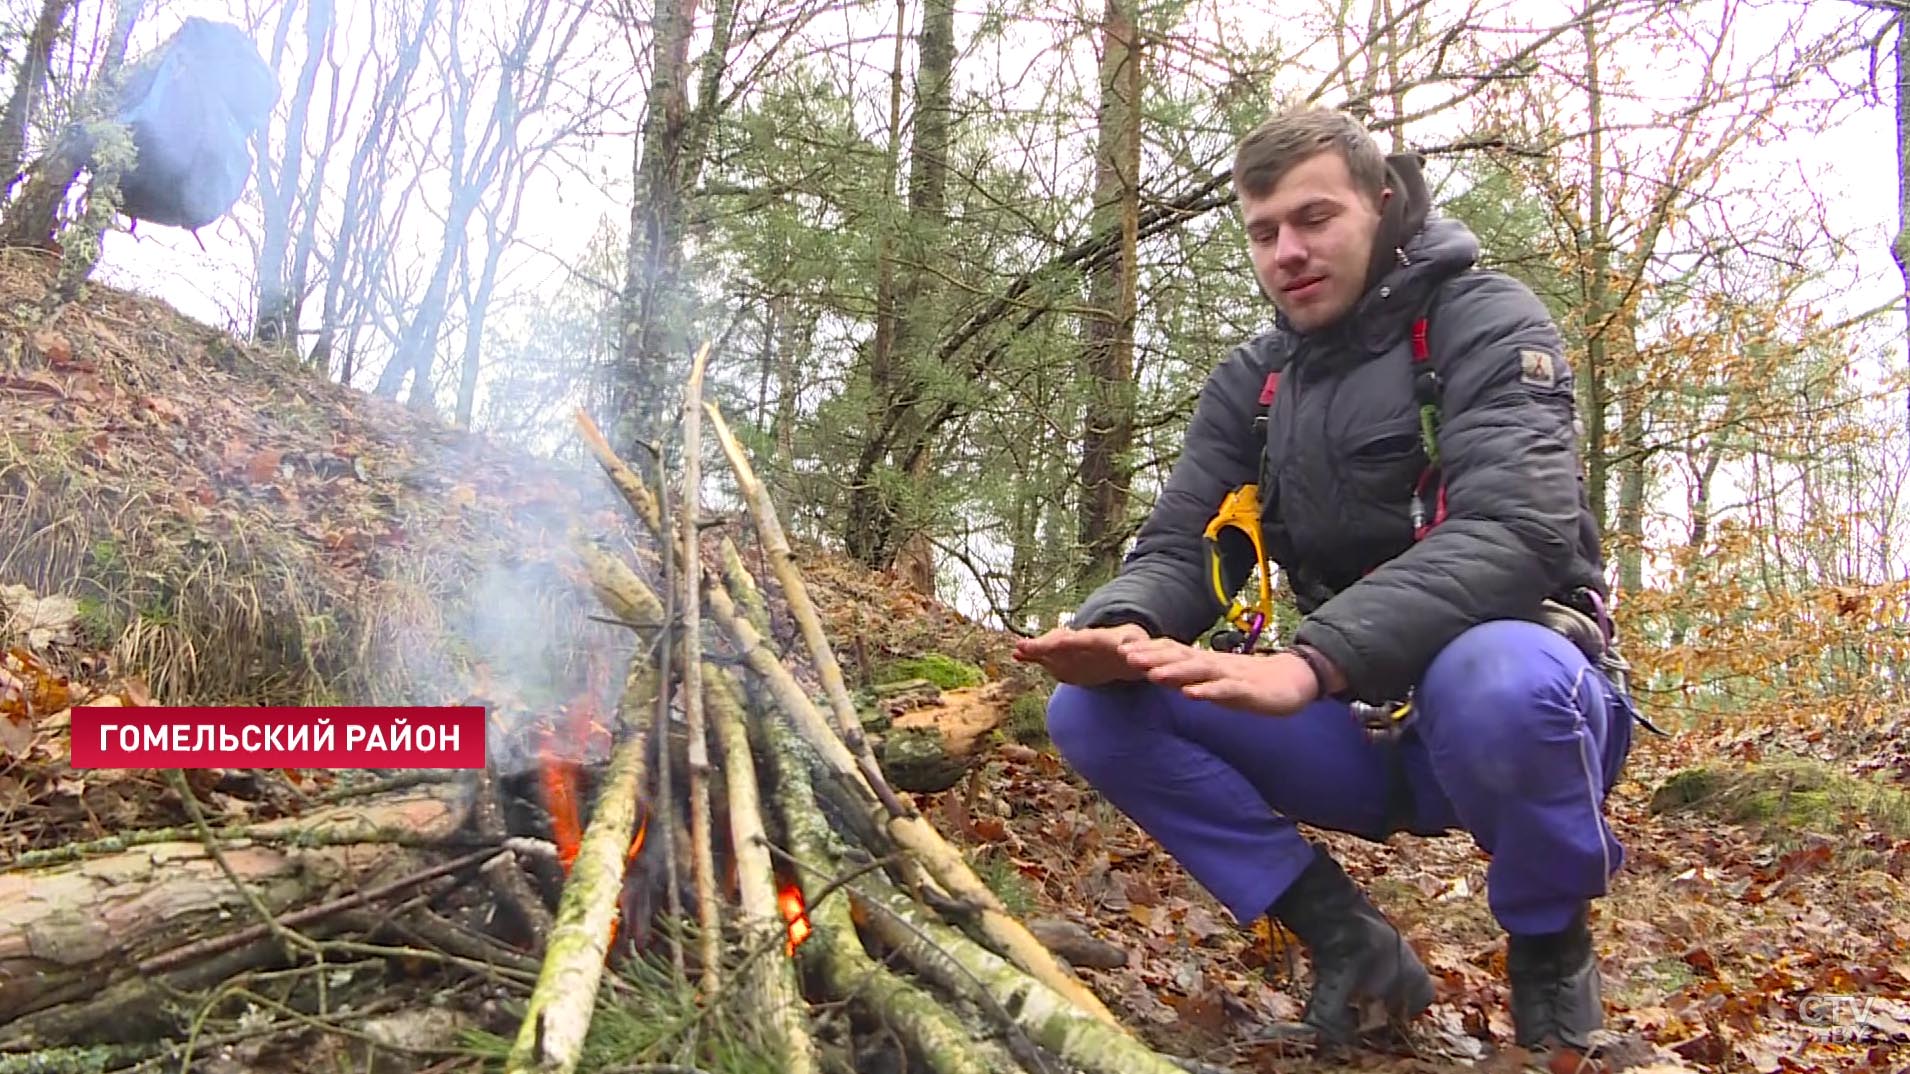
<point x="503" y="611"/>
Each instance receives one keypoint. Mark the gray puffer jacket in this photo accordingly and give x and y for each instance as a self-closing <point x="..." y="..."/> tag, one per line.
<point x="1341" y="455"/>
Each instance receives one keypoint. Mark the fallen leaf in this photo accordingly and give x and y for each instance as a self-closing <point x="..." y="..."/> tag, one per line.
<point x="263" y="466"/>
<point x="165" y="408"/>
<point x="1201" y="924"/>
<point x="16" y="735"/>
<point x="54" y="346"/>
<point x="989" y="829"/>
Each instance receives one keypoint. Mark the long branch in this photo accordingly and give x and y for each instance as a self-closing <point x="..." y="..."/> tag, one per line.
<point x="782" y="559"/>
<point x="775" y="981"/>
<point x="689" y="608"/>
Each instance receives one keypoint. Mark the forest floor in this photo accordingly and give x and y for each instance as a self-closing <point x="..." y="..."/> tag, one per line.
<point x="1760" y="923"/>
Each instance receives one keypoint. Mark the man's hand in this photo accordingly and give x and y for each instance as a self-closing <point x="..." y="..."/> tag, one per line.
<point x="1088" y="657"/>
<point x="1277" y="685"/>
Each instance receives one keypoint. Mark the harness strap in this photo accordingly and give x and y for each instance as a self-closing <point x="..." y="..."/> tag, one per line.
<point x="1427" y="389"/>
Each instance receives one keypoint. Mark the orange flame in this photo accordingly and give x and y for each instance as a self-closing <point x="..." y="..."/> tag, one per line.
<point x="560" y="801"/>
<point x="789" y="902"/>
<point x="576" y="727"/>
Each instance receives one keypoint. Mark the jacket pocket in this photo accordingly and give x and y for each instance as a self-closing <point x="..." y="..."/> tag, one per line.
<point x="1382" y="467"/>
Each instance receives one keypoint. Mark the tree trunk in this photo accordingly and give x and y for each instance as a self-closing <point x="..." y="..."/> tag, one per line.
<point x="1107" y="436"/>
<point x="275" y="300"/>
<point x="1596" y="401"/>
<point x="653" y="311"/>
<point x="1633" y="487"/>
<point x="31" y="218"/>
<point x="871" y="508"/>
<point x="879" y="522"/>
<point x="16" y="122"/>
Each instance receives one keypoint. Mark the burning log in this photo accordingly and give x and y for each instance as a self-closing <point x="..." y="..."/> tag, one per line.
<point x="775" y="980"/>
<point x="552" y="1034"/>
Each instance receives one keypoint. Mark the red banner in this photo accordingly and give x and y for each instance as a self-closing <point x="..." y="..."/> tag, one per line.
<point x="392" y="737"/>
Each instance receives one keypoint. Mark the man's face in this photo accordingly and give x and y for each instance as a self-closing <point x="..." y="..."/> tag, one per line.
<point x="1311" y="239"/>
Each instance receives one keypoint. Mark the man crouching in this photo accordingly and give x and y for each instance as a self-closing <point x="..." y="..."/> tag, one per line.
<point x="1407" y="431"/>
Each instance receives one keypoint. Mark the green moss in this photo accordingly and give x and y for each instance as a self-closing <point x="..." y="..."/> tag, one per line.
<point x="98" y="623"/>
<point x="945" y="672"/>
<point x="1027" y="721"/>
<point x="916" y="759"/>
<point x="1794" y="794"/>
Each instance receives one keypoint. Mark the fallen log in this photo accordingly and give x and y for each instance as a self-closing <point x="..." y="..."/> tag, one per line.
<point x="70" y="930"/>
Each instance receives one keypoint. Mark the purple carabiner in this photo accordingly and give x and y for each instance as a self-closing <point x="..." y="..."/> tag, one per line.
<point x="1253" y="635"/>
<point x="1605" y="625"/>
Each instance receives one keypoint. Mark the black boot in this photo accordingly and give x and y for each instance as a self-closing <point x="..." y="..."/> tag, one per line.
<point x="1555" y="992"/>
<point x="1360" y="961"/>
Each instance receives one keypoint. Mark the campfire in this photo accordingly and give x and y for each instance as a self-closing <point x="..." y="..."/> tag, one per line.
<point x="706" y="818"/>
<point x="820" y="860"/>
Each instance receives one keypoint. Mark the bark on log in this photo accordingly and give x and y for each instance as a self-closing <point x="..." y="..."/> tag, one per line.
<point x="72" y="929"/>
<point x="690" y="646"/>
<point x="782" y="559"/>
<point x="743" y="589"/>
<point x="918" y="759"/>
<point x="963" y="967"/>
<point x="776" y="992"/>
<point x="940" y="1041"/>
<point x="550" y="1040"/>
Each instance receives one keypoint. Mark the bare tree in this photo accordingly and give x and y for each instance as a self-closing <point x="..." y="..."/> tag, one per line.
<point x="476" y="167"/>
<point x="29" y="88"/>
<point x="288" y="198"/>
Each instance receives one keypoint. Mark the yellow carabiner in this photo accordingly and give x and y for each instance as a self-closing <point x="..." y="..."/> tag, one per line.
<point x="1240" y="510"/>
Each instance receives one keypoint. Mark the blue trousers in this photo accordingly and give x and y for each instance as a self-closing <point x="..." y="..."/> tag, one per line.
<point x="1517" y="740"/>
